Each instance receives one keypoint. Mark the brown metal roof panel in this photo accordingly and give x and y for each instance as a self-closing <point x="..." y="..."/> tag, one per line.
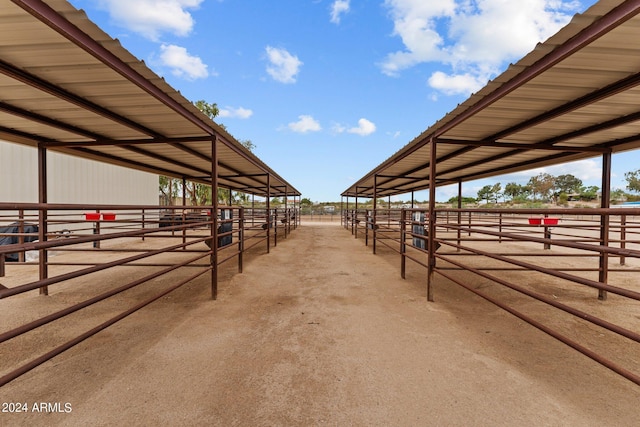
<point x="30" y="127"/>
<point x="575" y="82"/>
<point x="611" y="135"/>
<point x="604" y="63"/>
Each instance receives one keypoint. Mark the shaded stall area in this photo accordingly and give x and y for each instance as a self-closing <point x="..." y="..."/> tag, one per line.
<point x="68" y="87"/>
<point x="571" y="98"/>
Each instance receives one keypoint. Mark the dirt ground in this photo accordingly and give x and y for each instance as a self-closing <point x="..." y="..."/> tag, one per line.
<point x="318" y="332"/>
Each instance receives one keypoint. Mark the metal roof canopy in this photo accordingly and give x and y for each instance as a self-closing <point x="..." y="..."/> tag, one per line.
<point x="573" y="97"/>
<point x="67" y="86"/>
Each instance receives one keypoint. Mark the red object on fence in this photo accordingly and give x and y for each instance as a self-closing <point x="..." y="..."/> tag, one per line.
<point x="109" y="216"/>
<point x="92" y="216"/>
<point x="551" y="221"/>
<point x="535" y="221"/>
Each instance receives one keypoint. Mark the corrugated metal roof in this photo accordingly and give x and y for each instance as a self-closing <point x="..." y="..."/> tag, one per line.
<point x="572" y="97"/>
<point x="66" y="84"/>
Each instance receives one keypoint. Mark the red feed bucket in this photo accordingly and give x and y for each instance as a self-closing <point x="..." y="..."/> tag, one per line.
<point x="92" y="216"/>
<point x="109" y="216"/>
<point x="535" y="221"/>
<point x="551" y="221"/>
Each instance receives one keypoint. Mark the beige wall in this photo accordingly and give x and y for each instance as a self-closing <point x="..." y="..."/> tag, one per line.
<point x="71" y="179"/>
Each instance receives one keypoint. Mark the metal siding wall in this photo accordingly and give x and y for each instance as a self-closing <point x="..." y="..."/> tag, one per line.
<point x="72" y="180"/>
<point x="15" y="184"/>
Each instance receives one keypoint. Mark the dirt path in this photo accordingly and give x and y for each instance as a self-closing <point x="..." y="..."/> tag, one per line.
<point x="321" y="331"/>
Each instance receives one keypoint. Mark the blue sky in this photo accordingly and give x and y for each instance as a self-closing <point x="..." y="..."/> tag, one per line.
<point x="329" y="89"/>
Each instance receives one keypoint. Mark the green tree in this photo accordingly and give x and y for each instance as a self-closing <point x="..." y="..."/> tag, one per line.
<point x="618" y="195"/>
<point x="633" y="181"/>
<point x="589" y="193"/>
<point x="496" y="191"/>
<point x="211" y="110"/>
<point x="246" y="143"/>
<point x="485" y="193"/>
<point x="563" y="199"/>
<point x="490" y="192"/>
<point x="542" y="184"/>
<point x="516" y="191"/>
<point x="568" y="184"/>
<point x="168" y="188"/>
<point x="199" y="194"/>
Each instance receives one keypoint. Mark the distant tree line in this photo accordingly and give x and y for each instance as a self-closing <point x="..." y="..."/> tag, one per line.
<point x="547" y="188"/>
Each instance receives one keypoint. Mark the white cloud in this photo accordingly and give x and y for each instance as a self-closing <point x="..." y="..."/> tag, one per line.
<point x="182" y="64"/>
<point x="364" y="128"/>
<point x="337" y="128"/>
<point x="283" y="66"/>
<point x="460" y="84"/>
<point x="338" y="8"/>
<point x="471" y="38"/>
<point x="235" y="113"/>
<point x="305" y="124"/>
<point x="153" y="17"/>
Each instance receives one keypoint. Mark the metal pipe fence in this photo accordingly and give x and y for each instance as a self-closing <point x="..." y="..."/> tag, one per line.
<point x="561" y="258"/>
<point x="69" y="242"/>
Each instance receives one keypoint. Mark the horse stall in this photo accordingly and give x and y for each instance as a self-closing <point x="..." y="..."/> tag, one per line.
<point x="81" y="251"/>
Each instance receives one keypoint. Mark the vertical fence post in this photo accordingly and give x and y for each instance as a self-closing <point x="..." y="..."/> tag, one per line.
<point x="547" y="233"/>
<point x="623" y="236"/>
<point x="403" y="239"/>
<point x="374" y="231"/>
<point x="605" y="222"/>
<point x="214" y="218"/>
<point x="143" y="224"/>
<point x="21" y="231"/>
<point x="240" y="237"/>
<point x="268" y="213"/>
<point x="433" y="160"/>
<point x="366" y="227"/>
<point x="43" y="254"/>
<point x="184" y="213"/>
<point x="275" y="227"/>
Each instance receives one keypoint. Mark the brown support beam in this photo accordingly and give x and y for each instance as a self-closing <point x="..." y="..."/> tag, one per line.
<point x="240" y="238"/>
<point x="214" y="218"/>
<point x="374" y="225"/>
<point x="347" y="217"/>
<point x="184" y="213"/>
<point x="604" y="223"/>
<point x="286" y="213"/>
<point x="269" y="221"/>
<point x="403" y="240"/>
<point x="459" y="214"/>
<point x="42" y="216"/>
<point x="432" y="218"/>
<point x="355" y="215"/>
